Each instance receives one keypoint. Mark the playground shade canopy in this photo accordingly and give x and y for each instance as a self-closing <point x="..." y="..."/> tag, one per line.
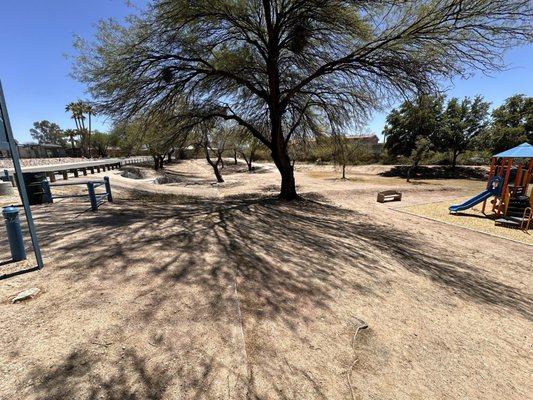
<point x="525" y="150"/>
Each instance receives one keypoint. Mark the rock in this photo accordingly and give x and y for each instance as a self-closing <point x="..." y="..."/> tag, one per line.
<point x="25" y="295"/>
<point x="359" y="323"/>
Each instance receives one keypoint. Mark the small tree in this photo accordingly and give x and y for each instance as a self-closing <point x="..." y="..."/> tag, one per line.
<point x="127" y="137"/>
<point x="102" y="141"/>
<point x="349" y="151"/>
<point x="248" y="147"/>
<point x="213" y="139"/>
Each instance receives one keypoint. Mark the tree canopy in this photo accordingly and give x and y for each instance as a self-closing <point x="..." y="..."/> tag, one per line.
<point x="47" y="132"/>
<point x="512" y="123"/>
<point x="421" y="118"/>
<point x="276" y="67"/>
<point x="462" y="122"/>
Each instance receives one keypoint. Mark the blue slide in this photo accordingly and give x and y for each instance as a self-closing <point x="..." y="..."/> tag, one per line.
<point x="494" y="189"/>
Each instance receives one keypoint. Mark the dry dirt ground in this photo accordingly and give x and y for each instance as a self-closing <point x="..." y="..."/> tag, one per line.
<point x="193" y="290"/>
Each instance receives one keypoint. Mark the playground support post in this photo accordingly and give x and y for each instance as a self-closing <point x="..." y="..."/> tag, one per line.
<point x="492" y="172"/>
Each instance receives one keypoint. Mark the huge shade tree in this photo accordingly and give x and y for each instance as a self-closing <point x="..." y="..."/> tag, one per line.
<point x="283" y="64"/>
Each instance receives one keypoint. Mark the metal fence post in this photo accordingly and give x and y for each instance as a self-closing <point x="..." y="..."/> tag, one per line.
<point x="14" y="233"/>
<point x="92" y="196"/>
<point x="47" y="193"/>
<point x="108" y="189"/>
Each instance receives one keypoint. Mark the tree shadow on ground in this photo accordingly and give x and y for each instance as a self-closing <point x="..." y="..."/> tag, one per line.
<point x="133" y="378"/>
<point x="437" y="172"/>
<point x="287" y="252"/>
<point x="283" y="257"/>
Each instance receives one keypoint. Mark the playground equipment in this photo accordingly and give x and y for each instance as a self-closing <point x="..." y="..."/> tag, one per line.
<point x="494" y="188"/>
<point x="509" y="178"/>
<point x="95" y="199"/>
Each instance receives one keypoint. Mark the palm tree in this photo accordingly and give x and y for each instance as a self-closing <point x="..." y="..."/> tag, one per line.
<point x="76" y="110"/>
<point x="70" y="133"/>
<point x="88" y="108"/>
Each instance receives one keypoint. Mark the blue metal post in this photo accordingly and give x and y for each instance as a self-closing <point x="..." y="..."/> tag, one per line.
<point x="108" y="189"/>
<point x="4" y="120"/>
<point x="92" y="196"/>
<point x="47" y="198"/>
<point x="14" y="233"/>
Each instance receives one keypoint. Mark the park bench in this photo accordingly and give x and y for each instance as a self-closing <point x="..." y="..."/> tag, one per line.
<point x="389" y="195"/>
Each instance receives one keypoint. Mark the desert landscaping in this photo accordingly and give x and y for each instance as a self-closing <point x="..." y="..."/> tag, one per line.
<point x="193" y="289"/>
<point x="266" y="200"/>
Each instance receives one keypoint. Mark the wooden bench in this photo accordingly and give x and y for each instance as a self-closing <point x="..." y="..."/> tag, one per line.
<point x="389" y="195"/>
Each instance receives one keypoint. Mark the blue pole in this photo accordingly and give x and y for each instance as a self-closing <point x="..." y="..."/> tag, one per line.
<point x="92" y="196"/>
<point x="108" y="189"/>
<point x="14" y="233"/>
<point x="47" y="192"/>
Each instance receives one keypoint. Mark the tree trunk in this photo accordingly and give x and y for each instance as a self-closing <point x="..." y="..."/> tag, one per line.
<point x="411" y="168"/>
<point x="217" y="173"/>
<point x="214" y="165"/>
<point x="89" y="140"/>
<point x="252" y="157"/>
<point x="343" y="171"/>
<point x="286" y="170"/>
<point x="235" y="156"/>
<point x="161" y="160"/>
<point x="169" y="155"/>
<point x="454" y="159"/>
<point x="248" y="161"/>
<point x="156" y="163"/>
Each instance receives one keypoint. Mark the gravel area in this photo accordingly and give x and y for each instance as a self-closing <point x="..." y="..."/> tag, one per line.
<point x="471" y="219"/>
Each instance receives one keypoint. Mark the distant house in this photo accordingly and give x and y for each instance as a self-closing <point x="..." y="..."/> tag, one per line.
<point x="370" y="139"/>
<point x="37" y="150"/>
<point x="41" y="150"/>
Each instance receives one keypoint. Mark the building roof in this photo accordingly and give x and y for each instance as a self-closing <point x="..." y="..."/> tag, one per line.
<point x="43" y="145"/>
<point x="525" y="150"/>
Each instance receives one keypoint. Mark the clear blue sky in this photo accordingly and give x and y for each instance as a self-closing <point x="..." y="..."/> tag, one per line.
<point x="36" y="35"/>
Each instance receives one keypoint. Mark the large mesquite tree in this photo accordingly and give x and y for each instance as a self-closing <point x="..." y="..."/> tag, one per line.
<point x="285" y="64"/>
